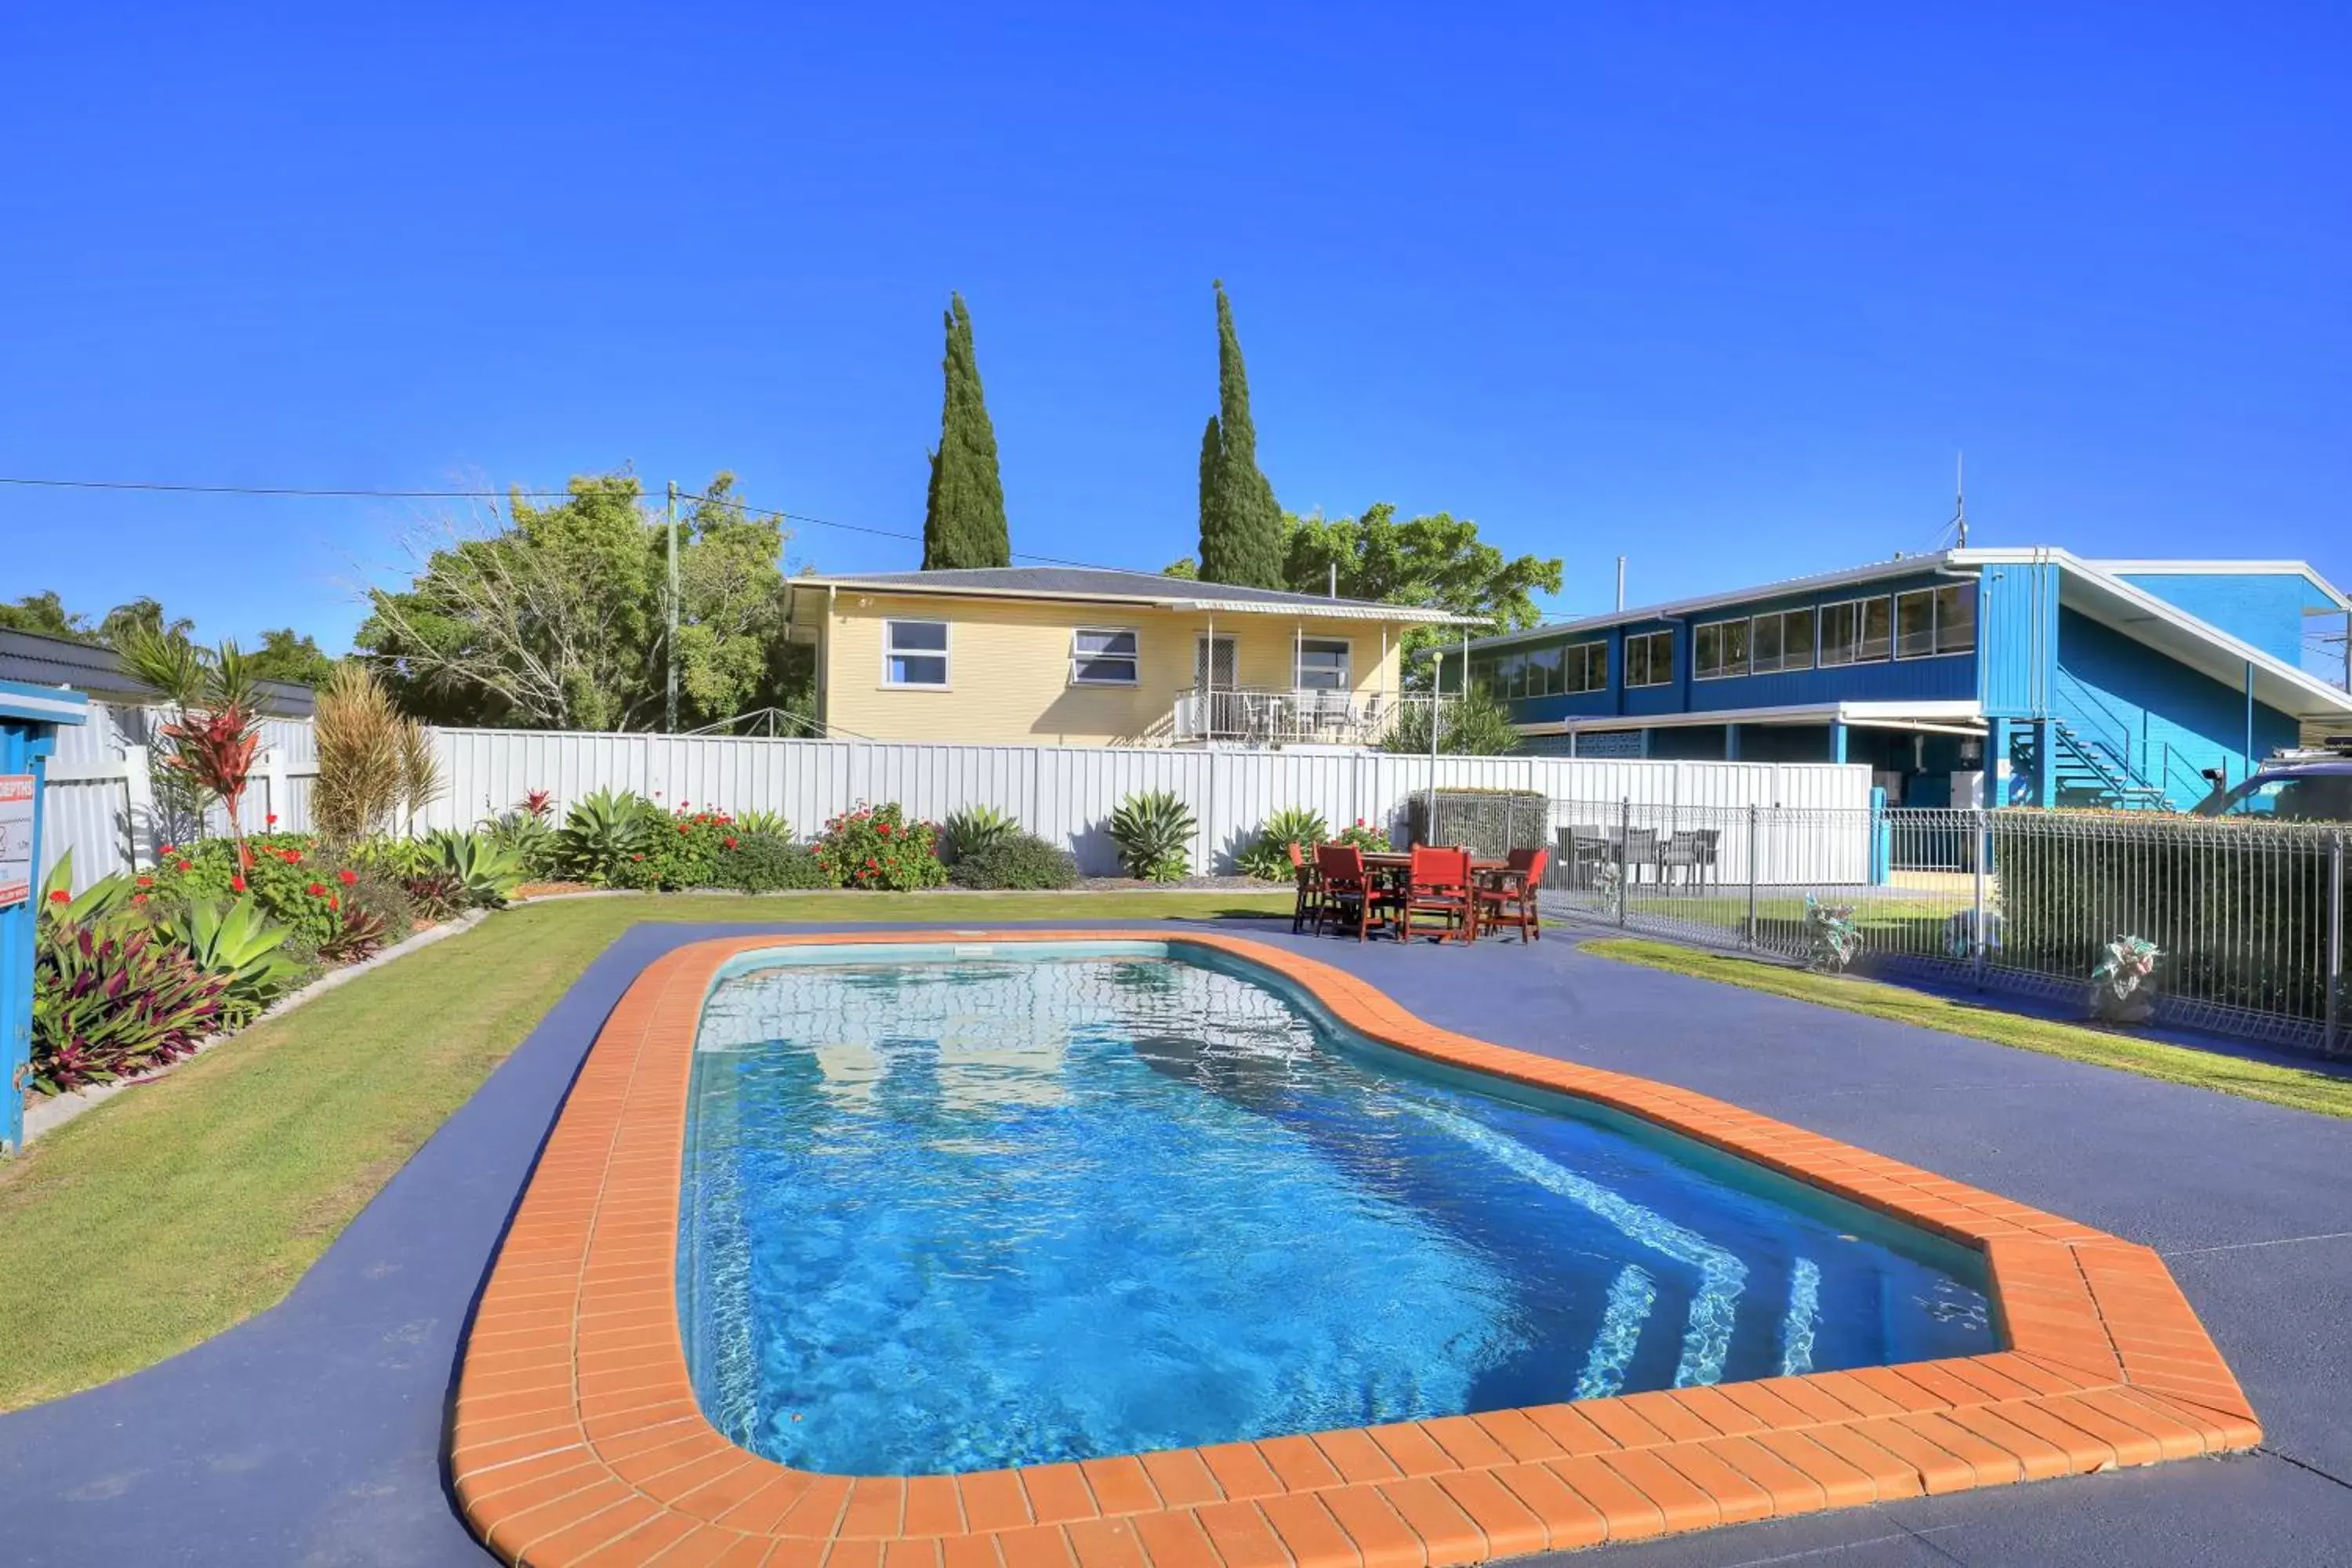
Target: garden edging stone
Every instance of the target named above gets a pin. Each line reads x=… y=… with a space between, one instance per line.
x=47 y=1115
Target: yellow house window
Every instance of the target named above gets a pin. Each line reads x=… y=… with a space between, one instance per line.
x=1323 y=663
x=914 y=653
x=1103 y=655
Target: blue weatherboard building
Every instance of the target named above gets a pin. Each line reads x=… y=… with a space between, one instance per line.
x=1999 y=677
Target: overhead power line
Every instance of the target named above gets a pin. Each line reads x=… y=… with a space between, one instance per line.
x=334 y=493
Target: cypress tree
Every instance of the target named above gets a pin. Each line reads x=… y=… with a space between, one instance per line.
x=1240 y=525
x=964 y=516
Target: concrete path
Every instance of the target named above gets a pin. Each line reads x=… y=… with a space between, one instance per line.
x=312 y=1433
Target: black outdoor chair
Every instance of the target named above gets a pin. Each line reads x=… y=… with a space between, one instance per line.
x=1581 y=848
x=1691 y=853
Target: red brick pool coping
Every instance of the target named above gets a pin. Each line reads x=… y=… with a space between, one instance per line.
x=577 y=1438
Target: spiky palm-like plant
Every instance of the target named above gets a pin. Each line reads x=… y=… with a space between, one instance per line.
x=358 y=731
x=213 y=733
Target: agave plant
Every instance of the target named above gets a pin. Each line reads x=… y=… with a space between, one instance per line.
x=528 y=833
x=770 y=823
x=484 y=870
x=972 y=830
x=1268 y=856
x=239 y=943
x=111 y=997
x=1832 y=938
x=1153 y=830
x=602 y=831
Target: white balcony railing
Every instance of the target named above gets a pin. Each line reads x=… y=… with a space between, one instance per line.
x=1262 y=716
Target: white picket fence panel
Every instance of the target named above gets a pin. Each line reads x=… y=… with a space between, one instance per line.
x=101 y=799
x=1066 y=793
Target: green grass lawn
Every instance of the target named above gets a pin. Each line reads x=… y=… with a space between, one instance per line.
x=2296 y=1088
x=186 y=1206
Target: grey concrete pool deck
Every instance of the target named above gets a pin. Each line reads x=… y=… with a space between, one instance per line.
x=312 y=1433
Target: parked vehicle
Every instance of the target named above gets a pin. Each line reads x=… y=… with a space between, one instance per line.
x=2292 y=786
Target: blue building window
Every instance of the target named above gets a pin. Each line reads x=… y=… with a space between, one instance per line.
x=1856 y=632
x=1650 y=659
x=1721 y=650
x=1933 y=621
x=1778 y=642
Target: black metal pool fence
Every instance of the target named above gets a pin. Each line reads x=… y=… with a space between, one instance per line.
x=2248 y=914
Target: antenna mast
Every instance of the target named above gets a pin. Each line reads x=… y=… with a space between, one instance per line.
x=1960 y=497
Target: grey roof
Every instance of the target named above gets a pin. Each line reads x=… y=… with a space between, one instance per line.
x=1101 y=583
x=39 y=660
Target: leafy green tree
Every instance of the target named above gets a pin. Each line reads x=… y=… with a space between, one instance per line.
x=1436 y=562
x=964 y=516
x=124 y=623
x=287 y=655
x=45 y=613
x=1240 y=525
x=558 y=620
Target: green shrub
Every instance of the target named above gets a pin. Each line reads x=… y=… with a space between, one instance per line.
x=1153 y=830
x=376 y=913
x=1017 y=860
x=1268 y=855
x=605 y=835
x=1370 y=840
x=289 y=881
x=1491 y=822
x=877 y=847
x=2071 y=882
x=1471 y=726
x=113 y=998
x=972 y=830
x=771 y=863
x=769 y=824
x=395 y=858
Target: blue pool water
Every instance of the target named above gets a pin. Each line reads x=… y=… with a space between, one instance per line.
x=1014 y=1207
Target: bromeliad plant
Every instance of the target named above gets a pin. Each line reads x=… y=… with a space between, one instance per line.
x=112 y=997
x=2123 y=986
x=1153 y=830
x=875 y=847
x=1268 y=858
x=1832 y=938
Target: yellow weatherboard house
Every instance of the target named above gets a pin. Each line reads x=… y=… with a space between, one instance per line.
x=1084 y=656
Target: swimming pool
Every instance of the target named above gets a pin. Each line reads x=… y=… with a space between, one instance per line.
x=950 y=1209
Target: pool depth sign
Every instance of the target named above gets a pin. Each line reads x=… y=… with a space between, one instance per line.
x=30 y=716
x=17 y=793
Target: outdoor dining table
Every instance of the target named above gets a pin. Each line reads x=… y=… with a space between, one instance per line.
x=1392 y=865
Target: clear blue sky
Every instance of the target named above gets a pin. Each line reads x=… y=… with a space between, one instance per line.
x=1721 y=288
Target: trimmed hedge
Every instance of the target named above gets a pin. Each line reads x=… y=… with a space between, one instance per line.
x=1017 y=860
x=1492 y=822
x=2237 y=908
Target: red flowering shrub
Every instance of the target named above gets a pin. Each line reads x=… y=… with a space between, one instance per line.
x=876 y=846
x=282 y=877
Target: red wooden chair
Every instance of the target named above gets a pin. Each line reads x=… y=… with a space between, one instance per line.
x=1438 y=883
x=1311 y=888
x=1509 y=897
x=1347 y=889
